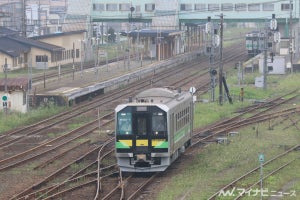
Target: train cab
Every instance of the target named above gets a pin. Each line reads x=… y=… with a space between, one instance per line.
x=140 y=132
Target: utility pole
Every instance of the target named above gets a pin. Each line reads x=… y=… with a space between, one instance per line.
x=221 y=62
x=5 y=86
x=291 y=34
x=39 y=17
x=24 y=23
x=265 y=59
x=73 y=57
x=212 y=42
x=5 y=72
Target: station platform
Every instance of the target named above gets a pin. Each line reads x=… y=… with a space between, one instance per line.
x=71 y=89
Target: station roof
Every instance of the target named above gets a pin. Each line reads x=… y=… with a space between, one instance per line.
x=195 y=24
x=15 y=45
x=57 y=34
x=11 y=47
x=13 y=84
x=36 y=43
x=6 y=31
x=152 y=33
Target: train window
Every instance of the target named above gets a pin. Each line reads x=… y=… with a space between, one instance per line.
x=124 y=124
x=159 y=124
x=142 y=126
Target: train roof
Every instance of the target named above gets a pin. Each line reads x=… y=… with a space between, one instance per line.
x=159 y=95
x=157 y=92
x=165 y=98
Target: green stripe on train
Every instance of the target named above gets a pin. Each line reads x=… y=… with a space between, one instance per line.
x=180 y=134
x=161 y=145
x=121 y=145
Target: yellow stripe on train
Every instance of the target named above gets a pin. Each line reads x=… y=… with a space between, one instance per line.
x=157 y=142
x=141 y=143
x=127 y=142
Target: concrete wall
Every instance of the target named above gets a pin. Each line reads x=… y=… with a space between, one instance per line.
x=278 y=66
x=15 y=101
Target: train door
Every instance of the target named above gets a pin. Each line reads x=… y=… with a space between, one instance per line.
x=141 y=130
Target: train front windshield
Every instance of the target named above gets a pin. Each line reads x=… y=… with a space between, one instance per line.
x=159 y=123
x=124 y=123
x=142 y=129
x=148 y=122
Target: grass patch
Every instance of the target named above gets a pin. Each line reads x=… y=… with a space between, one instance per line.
x=218 y=165
x=16 y=119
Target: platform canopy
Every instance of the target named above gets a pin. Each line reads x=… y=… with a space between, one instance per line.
x=152 y=33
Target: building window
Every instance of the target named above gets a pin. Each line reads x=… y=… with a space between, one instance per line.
x=43 y=58
x=186 y=7
x=213 y=7
x=200 y=7
x=268 y=7
x=227 y=7
x=138 y=8
x=254 y=7
x=149 y=7
x=240 y=7
x=98 y=7
x=57 y=9
x=112 y=7
x=286 y=7
x=124 y=7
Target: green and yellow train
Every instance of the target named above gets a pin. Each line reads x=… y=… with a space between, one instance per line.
x=153 y=129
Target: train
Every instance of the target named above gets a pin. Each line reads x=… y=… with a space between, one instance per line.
x=153 y=129
x=255 y=43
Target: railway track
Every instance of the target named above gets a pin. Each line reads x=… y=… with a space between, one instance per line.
x=255 y=114
x=246 y=183
x=119 y=185
x=7 y=163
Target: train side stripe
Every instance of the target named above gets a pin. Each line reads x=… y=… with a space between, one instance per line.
x=160 y=144
x=124 y=144
x=180 y=134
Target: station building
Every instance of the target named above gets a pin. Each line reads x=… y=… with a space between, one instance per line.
x=40 y=52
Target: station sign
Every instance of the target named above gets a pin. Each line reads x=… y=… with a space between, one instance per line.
x=4 y=98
